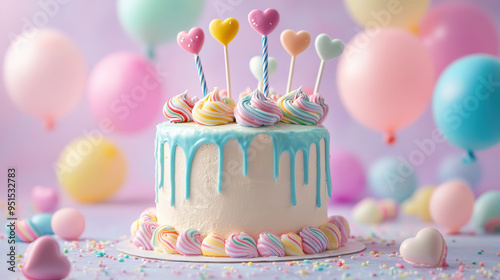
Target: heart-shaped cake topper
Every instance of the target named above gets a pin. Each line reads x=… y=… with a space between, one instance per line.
x=44 y=260
x=264 y=22
x=295 y=43
x=191 y=41
x=256 y=66
x=427 y=249
x=327 y=48
x=224 y=31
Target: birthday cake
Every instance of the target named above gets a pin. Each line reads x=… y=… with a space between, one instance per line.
x=241 y=179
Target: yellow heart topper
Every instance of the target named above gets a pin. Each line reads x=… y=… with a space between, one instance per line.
x=224 y=31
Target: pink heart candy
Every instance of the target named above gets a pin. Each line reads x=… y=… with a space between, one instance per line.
x=45 y=199
x=427 y=249
x=44 y=260
x=264 y=22
x=191 y=41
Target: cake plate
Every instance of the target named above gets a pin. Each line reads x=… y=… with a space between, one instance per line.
x=128 y=248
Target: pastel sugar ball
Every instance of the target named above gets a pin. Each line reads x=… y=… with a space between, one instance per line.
x=391 y=177
x=418 y=204
x=350 y=180
x=43 y=223
x=45 y=199
x=451 y=205
x=486 y=215
x=68 y=223
x=456 y=167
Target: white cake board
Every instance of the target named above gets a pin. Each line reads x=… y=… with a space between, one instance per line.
x=128 y=248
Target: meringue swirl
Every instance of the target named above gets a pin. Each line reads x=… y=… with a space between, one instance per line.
x=292 y=244
x=318 y=99
x=343 y=226
x=256 y=110
x=332 y=232
x=142 y=238
x=189 y=242
x=269 y=245
x=179 y=108
x=213 y=246
x=241 y=245
x=214 y=110
x=164 y=239
x=298 y=109
x=313 y=240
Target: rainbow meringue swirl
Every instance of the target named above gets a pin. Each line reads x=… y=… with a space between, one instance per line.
x=179 y=108
x=269 y=245
x=318 y=99
x=313 y=240
x=164 y=239
x=214 y=110
x=26 y=231
x=256 y=110
x=189 y=242
x=134 y=227
x=142 y=238
x=343 y=226
x=213 y=246
x=292 y=244
x=332 y=232
x=241 y=245
x=298 y=109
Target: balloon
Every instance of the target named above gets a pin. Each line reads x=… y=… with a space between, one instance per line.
x=455 y=29
x=125 y=92
x=486 y=215
x=349 y=177
x=91 y=169
x=451 y=205
x=391 y=177
x=156 y=21
x=387 y=13
x=44 y=74
x=418 y=204
x=455 y=167
x=466 y=102
x=385 y=84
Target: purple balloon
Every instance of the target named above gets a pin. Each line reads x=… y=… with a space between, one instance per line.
x=455 y=29
x=348 y=177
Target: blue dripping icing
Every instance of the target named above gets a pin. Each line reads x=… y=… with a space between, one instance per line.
x=192 y=136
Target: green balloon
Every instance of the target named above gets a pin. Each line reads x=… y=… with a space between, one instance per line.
x=157 y=21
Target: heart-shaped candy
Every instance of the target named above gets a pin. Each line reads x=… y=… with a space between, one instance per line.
x=264 y=22
x=256 y=66
x=295 y=43
x=191 y=41
x=427 y=249
x=327 y=48
x=44 y=260
x=45 y=199
x=224 y=31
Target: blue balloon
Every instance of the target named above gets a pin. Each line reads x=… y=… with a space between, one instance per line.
x=391 y=177
x=466 y=102
x=42 y=222
x=455 y=167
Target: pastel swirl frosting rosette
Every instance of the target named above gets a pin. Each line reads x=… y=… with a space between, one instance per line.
x=213 y=246
x=178 y=109
x=164 y=239
x=142 y=238
x=134 y=227
x=26 y=231
x=269 y=245
x=298 y=109
x=318 y=99
x=292 y=244
x=148 y=215
x=332 y=232
x=214 y=110
x=257 y=110
x=313 y=240
x=189 y=242
x=343 y=226
x=241 y=245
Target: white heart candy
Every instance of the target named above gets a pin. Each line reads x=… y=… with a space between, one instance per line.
x=256 y=67
x=427 y=249
x=327 y=48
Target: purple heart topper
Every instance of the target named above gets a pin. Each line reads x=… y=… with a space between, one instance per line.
x=191 y=41
x=264 y=22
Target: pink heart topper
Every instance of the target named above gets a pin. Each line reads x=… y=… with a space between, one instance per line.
x=264 y=22
x=44 y=260
x=191 y=41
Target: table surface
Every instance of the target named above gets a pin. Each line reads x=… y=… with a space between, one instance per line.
x=107 y=224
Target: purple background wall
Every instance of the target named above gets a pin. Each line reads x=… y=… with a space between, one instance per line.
x=94 y=26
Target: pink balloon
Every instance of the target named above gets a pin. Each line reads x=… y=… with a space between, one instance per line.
x=348 y=177
x=386 y=79
x=454 y=29
x=451 y=205
x=125 y=92
x=44 y=74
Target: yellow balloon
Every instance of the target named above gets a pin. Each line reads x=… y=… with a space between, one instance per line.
x=91 y=169
x=224 y=31
x=371 y=14
x=418 y=204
